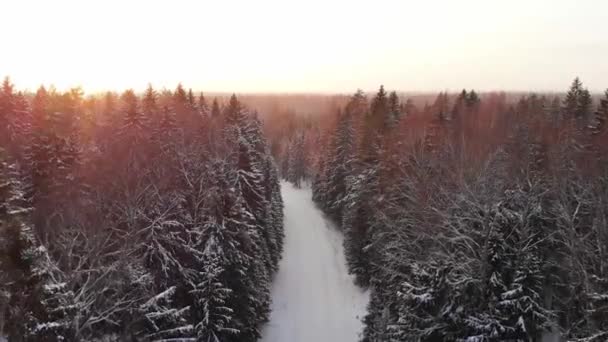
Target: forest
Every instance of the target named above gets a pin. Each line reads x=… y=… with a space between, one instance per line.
x=158 y=216
x=474 y=217
x=152 y=217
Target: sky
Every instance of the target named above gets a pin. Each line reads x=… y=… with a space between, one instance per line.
x=305 y=46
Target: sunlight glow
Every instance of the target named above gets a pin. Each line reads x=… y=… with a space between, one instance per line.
x=305 y=46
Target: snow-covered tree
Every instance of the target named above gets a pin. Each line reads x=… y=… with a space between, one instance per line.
x=394 y=110
x=39 y=304
x=331 y=187
x=357 y=223
x=203 y=106
x=215 y=109
x=162 y=321
x=296 y=161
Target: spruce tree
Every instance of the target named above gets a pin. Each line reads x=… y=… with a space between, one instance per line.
x=472 y=99
x=379 y=110
x=223 y=262
x=166 y=130
x=39 y=305
x=133 y=120
x=236 y=224
x=436 y=131
x=215 y=109
x=394 y=110
x=577 y=103
x=180 y=97
x=149 y=104
x=191 y=100
x=53 y=156
x=233 y=112
x=109 y=106
x=162 y=320
x=375 y=125
x=274 y=233
x=356 y=223
x=210 y=310
x=339 y=166
x=203 y=107
x=40 y=143
x=583 y=106
x=357 y=105
x=600 y=116
x=7 y=108
x=296 y=168
x=570 y=102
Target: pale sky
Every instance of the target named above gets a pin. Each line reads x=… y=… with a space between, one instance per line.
x=305 y=46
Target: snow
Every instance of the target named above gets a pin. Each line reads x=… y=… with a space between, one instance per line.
x=314 y=298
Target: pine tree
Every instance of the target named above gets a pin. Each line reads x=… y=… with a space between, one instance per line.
x=554 y=111
x=231 y=228
x=162 y=321
x=409 y=108
x=577 y=103
x=356 y=223
x=296 y=168
x=252 y=149
x=472 y=99
x=600 y=116
x=274 y=233
x=53 y=156
x=570 y=102
x=233 y=112
x=583 y=106
x=459 y=105
x=357 y=105
x=110 y=107
x=203 y=107
x=108 y=120
x=394 y=110
x=211 y=312
x=339 y=166
x=180 y=97
x=379 y=110
x=243 y=134
x=522 y=306
x=522 y=302
x=428 y=305
x=596 y=130
x=374 y=127
x=39 y=305
x=133 y=121
x=215 y=109
x=437 y=129
x=7 y=108
x=180 y=103
x=167 y=131
x=40 y=147
x=191 y=100
x=149 y=104
x=19 y=124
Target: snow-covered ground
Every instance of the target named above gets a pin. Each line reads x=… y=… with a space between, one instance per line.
x=314 y=298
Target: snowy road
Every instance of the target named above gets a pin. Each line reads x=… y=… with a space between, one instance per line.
x=314 y=298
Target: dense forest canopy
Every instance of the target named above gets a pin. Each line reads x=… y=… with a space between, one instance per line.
x=158 y=215
x=127 y=217
x=477 y=217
